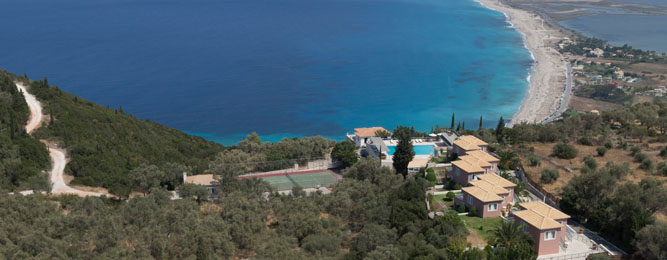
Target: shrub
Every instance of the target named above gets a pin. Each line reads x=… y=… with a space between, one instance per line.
x=590 y=162
x=601 y=151
x=534 y=161
x=549 y=176
x=646 y=165
x=663 y=151
x=430 y=176
x=585 y=141
x=450 y=196
x=473 y=211
x=640 y=157
x=461 y=209
x=457 y=186
x=634 y=150
x=608 y=145
x=565 y=151
x=662 y=169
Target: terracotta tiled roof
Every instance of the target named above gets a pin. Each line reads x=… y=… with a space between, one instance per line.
x=465 y=145
x=496 y=180
x=474 y=160
x=467 y=166
x=202 y=179
x=368 y=132
x=540 y=215
x=483 y=155
x=481 y=194
x=487 y=186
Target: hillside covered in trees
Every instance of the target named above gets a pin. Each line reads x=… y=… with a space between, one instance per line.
x=22 y=158
x=372 y=214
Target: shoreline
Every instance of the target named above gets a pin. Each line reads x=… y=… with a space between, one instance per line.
x=546 y=79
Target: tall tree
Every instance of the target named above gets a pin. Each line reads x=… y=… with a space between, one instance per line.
x=404 y=152
x=480 y=123
x=500 y=127
x=345 y=152
x=463 y=125
x=452 y=127
x=458 y=127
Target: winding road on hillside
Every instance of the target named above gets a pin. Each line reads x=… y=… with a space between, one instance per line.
x=58 y=158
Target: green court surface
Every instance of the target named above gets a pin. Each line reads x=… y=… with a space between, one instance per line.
x=286 y=182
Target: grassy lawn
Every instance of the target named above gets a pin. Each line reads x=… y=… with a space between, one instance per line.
x=442 y=202
x=487 y=224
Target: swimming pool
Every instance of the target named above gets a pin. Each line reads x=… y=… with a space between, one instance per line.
x=419 y=149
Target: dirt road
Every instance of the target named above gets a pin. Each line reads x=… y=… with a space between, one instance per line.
x=58 y=158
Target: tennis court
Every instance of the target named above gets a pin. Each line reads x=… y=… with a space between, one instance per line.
x=310 y=179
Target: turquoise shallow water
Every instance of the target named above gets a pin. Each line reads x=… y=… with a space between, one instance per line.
x=282 y=68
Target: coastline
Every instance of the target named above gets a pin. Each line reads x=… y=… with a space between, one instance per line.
x=547 y=76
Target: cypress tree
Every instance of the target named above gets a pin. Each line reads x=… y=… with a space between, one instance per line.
x=458 y=127
x=463 y=125
x=480 y=123
x=404 y=152
x=452 y=127
x=500 y=127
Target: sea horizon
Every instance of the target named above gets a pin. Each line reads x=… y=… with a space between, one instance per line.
x=225 y=69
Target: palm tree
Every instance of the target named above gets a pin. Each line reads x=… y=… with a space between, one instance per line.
x=509 y=234
x=507 y=158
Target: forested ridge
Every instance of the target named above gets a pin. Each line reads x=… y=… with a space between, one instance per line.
x=22 y=158
x=106 y=144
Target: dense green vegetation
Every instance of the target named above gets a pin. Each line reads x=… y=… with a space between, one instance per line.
x=372 y=214
x=22 y=158
x=603 y=203
x=106 y=144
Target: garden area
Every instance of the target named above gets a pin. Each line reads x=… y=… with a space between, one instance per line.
x=481 y=229
x=442 y=202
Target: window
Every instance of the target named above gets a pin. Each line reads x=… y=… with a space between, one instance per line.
x=550 y=235
x=493 y=207
x=473 y=177
x=469 y=199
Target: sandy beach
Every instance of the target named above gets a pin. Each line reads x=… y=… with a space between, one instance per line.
x=547 y=82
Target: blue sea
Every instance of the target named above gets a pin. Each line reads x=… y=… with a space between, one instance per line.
x=283 y=68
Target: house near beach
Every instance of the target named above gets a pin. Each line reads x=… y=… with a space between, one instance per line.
x=545 y=224
x=362 y=135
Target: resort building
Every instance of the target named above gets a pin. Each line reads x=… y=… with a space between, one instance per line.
x=463 y=172
x=362 y=135
x=473 y=160
x=484 y=159
x=490 y=195
x=468 y=143
x=545 y=224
